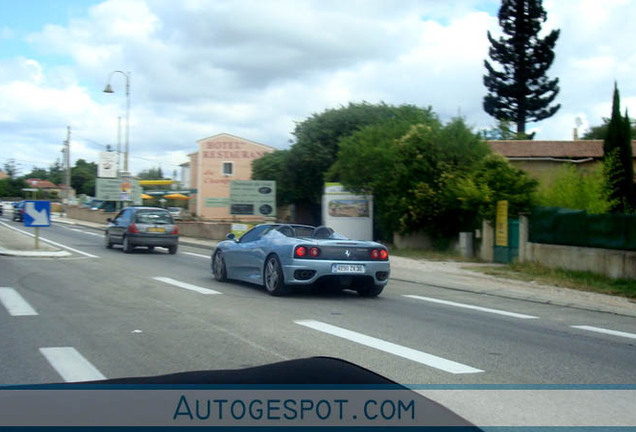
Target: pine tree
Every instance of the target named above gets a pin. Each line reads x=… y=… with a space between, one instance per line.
x=618 y=160
x=520 y=91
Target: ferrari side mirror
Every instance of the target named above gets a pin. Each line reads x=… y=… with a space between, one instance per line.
x=231 y=236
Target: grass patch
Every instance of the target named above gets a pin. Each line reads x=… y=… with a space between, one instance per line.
x=580 y=280
x=432 y=255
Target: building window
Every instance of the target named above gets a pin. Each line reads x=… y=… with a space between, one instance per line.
x=228 y=168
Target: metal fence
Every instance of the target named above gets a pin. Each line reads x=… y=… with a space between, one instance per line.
x=555 y=225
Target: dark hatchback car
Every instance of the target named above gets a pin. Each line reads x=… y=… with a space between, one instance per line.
x=18 y=211
x=142 y=226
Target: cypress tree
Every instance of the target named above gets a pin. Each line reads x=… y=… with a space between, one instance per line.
x=618 y=160
x=520 y=91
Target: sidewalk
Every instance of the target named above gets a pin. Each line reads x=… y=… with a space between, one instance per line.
x=448 y=275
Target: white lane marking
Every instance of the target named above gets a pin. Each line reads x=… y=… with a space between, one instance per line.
x=391 y=348
x=606 y=331
x=186 y=285
x=467 y=306
x=197 y=255
x=85 y=232
x=71 y=365
x=15 y=304
x=51 y=242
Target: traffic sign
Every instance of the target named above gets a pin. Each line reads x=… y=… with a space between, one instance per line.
x=37 y=213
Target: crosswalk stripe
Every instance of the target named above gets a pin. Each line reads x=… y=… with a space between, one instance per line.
x=15 y=304
x=71 y=365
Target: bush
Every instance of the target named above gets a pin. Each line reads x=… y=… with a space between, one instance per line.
x=575 y=189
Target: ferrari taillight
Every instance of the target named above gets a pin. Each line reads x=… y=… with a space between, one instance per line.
x=314 y=252
x=300 y=252
x=380 y=254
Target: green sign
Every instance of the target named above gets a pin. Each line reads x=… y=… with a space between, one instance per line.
x=111 y=189
x=253 y=198
x=217 y=202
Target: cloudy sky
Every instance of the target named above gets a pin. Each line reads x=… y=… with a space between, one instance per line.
x=254 y=68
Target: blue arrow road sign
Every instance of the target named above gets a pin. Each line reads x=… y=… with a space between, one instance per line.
x=37 y=213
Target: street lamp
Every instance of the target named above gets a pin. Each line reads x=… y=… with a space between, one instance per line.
x=109 y=89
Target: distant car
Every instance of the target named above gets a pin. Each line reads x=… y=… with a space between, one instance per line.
x=176 y=212
x=279 y=256
x=142 y=226
x=18 y=211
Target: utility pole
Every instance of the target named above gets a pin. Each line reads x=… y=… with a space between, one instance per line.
x=67 y=162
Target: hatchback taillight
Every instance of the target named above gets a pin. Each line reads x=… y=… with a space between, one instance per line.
x=133 y=229
x=175 y=230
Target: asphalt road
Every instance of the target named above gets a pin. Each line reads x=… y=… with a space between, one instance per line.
x=103 y=313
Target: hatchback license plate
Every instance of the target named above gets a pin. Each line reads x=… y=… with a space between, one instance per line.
x=347 y=268
x=157 y=230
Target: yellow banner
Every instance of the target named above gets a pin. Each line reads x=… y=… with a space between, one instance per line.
x=501 y=235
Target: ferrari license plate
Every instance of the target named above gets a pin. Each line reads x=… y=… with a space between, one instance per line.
x=347 y=268
x=156 y=230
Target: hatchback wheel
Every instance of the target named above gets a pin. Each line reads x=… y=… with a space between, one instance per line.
x=273 y=277
x=172 y=249
x=107 y=242
x=128 y=248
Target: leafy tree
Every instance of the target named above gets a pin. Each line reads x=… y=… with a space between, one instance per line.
x=151 y=174
x=83 y=176
x=318 y=141
x=40 y=173
x=600 y=131
x=11 y=168
x=519 y=90
x=575 y=189
x=495 y=179
x=409 y=168
x=273 y=166
x=618 y=160
x=12 y=187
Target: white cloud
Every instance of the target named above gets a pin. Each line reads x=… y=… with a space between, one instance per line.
x=254 y=68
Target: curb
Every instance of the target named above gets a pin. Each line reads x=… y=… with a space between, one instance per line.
x=34 y=254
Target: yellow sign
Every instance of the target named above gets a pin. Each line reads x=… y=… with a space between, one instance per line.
x=501 y=235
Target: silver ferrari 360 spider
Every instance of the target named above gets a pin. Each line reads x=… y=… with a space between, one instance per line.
x=279 y=256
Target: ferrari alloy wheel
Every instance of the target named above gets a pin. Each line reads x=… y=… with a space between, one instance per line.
x=218 y=266
x=273 y=277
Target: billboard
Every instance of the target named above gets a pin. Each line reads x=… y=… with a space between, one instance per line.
x=118 y=189
x=107 y=167
x=347 y=213
x=253 y=198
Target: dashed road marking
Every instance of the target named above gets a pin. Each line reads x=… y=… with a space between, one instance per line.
x=186 y=285
x=467 y=306
x=196 y=255
x=85 y=232
x=606 y=331
x=15 y=304
x=71 y=365
x=391 y=348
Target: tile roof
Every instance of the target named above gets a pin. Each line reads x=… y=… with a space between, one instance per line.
x=555 y=149
x=41 y=184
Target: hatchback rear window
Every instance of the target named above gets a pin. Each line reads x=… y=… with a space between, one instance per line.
x=153 y=217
